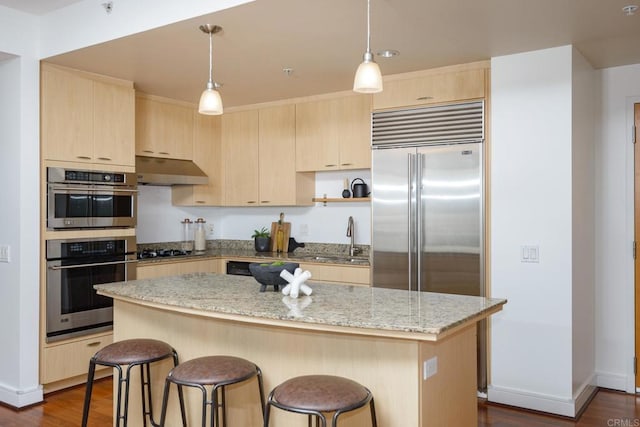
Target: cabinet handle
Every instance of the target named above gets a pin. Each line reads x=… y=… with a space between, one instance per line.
x=83 y=157
x=94 y=344
x=104 y=158
x=251 y=201
x=265 y=201
x=346 y=164
x=201 y=201
x=163 y=152
x=147 y=151
x=330 y=166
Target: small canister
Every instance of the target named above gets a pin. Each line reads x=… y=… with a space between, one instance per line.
x=187 y=235
x=200 y=235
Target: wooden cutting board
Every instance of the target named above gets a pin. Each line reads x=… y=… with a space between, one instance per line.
x=285 y=227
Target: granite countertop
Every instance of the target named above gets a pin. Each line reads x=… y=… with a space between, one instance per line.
x=366 y=311
x=249 y=253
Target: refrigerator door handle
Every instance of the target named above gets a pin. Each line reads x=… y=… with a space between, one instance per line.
x=418 y=174
x=410 y=216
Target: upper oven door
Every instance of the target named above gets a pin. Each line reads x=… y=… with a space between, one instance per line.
x=90 y=206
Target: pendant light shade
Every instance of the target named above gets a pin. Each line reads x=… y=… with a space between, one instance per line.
x=210 y=100
x=368 y=78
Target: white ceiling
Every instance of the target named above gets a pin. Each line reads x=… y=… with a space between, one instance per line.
x=37 y=7
x=323 y=41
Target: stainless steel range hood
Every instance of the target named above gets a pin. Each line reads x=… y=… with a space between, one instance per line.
x=156 y=171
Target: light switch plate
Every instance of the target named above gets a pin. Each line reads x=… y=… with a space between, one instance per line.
x=530 y=254
x=5 y=253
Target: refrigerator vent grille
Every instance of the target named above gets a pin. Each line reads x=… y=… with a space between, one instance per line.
x=448 y=124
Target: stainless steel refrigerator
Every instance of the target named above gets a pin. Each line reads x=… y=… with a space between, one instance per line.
x=427 y=203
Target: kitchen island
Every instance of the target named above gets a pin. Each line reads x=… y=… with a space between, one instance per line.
x=415 y=351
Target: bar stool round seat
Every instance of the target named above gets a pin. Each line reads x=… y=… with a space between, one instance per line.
x=214 y=372
x=317 y=394
x=133 y=352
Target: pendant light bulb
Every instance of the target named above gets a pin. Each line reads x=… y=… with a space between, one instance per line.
x=368 y=78
x=210 y=100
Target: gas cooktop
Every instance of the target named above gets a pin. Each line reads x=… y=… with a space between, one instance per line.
x=156 y=253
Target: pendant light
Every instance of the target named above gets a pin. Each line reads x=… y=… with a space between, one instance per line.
x=368 y=78
x=210 y=100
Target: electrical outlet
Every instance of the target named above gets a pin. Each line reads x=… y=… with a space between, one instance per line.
x=5 y=253
x=430 y=368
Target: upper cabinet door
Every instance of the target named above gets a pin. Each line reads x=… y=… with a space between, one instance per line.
x=67 y=116
x=86 y=119
x=163 y=128
x=432 y=88
x=240 y=153
x=277 y=155
x=353 y=119
x=317 y=148
x=334 y=134
x=114 y=124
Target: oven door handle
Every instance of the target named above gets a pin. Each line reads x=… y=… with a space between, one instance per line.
x=94 y=189
x=95 y=264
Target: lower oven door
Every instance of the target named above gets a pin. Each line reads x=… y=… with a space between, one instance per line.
x=73 y=307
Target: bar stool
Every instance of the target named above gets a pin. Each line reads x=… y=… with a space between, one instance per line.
x=133 y=352
x=215 y=372
x=315 y=394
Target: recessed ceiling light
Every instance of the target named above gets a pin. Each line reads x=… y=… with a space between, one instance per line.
x=388 y=53
x=287 y=71
x=630 y=9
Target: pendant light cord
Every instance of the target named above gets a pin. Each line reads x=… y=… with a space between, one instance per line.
x=210 y=83
x=368 y=25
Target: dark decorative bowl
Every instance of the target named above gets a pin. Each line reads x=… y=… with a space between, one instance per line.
x=269 y=275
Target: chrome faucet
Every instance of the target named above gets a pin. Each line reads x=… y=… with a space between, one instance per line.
x=351 y=233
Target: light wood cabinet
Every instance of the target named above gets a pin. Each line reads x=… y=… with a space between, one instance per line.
x=70 y=359
x=161 y=269
x=334 y=134
x=334 y=273
x=164 y=128
x=86 y=120
x=207 y=154
x=240 y=154
x=436 y=87
x=279 y=183
x=259 y=159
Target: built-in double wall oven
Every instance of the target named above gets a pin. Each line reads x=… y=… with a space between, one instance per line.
x=87 y=200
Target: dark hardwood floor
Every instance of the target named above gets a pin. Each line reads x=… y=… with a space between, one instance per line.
x=64 y=409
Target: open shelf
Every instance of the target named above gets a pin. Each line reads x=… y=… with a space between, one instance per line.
x=326 y=200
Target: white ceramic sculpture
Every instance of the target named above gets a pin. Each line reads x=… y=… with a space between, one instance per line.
x=296 y=282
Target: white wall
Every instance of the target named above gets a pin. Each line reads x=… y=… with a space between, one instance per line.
x=19 y=225
x=531 y=204
x=158 y=221
x=584 y=107
x=614 y=229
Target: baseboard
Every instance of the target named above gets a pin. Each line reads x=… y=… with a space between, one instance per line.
x=20 y=398
x=540 y=402
x=611 y=381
